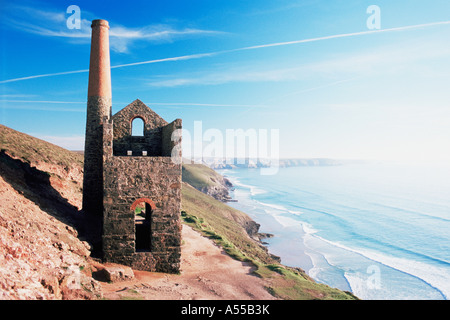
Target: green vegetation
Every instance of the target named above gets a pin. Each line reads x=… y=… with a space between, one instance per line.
x=34 y=150
x=214 y=219
x=135 y=295
x=200 y=176
x=140 y=210
x=211 y=216
x=200 y=225
x=218 y=222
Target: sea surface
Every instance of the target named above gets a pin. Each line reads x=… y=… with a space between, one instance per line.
x=380 y=231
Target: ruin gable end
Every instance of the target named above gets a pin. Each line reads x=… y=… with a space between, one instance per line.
x=140 y=177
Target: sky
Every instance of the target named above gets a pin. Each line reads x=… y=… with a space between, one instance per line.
x=334 y=78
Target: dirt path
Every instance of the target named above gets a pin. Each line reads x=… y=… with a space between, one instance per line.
x=206 y=273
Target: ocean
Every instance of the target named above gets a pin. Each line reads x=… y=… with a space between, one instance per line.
x=381 y=231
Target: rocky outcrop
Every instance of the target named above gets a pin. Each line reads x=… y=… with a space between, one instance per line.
x=40 y=256
x=206 y=180
x=219 y=190
x=111 y=272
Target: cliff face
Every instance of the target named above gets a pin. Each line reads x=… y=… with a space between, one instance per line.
x=41 y=255
x=45 y=243
x=207 y=181
x=213 y=184
x=282 y=163
x=46 y=248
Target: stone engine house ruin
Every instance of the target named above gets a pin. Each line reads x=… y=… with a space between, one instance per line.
x=131 y=180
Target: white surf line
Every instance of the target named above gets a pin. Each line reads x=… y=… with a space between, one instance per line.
x=277 y=44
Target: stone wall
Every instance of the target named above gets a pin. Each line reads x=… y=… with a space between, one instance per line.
x=171 y=139
x=98 y=108
x=128 y=179
x=151 y=142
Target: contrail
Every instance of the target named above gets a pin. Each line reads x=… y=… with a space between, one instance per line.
x=174 y=104
x=44 y=75
x=344 y=35
x=314 y=88
x=277 y=44
x=180 y=58
x=41 y=101
x=186 y=57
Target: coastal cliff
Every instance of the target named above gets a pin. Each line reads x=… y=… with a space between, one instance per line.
x=281 y=163
x=206 y=180
x=46 y=249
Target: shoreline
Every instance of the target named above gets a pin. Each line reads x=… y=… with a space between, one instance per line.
x=272 y=241
x=348 y=266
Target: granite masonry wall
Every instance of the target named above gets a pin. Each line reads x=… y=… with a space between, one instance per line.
x=151 y=141
x=154 y=179
x=97 y=109
x=131 y=186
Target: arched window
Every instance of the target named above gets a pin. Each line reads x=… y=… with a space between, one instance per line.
x=143 y=209
x=137 y=127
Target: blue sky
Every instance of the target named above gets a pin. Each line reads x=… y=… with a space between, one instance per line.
x=311 y=69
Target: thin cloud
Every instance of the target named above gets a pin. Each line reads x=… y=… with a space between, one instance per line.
x=41 y=101
x=236 y=75
x=51 y=23
x=121 y=37
x=169 y=104
x=210 y=54
x=44 y=75
x=179 y=58
x=326 y=85
x=193 y=104
x=158 y=32
x=346 y=35
x=392 y=59
x=40 y=108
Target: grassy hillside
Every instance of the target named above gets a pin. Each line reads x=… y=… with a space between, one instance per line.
x=34 y=150
x=200 y=176
x=214 y=219
x=206 y=180
x=222 y=224
x=217 y=220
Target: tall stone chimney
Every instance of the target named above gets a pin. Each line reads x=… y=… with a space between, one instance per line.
x=98 y=109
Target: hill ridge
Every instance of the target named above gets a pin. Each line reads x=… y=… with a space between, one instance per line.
x=45 y=239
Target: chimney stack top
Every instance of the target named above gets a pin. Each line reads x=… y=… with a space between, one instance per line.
x=99 y=22
x=99 y=67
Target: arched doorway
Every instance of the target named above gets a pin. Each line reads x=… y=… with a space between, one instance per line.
x=143 y=210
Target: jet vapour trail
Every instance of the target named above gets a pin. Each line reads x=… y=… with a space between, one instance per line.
x=186 y=57
x=170 y=104
x=44 y=75
x=210 y=54
x=344 y=35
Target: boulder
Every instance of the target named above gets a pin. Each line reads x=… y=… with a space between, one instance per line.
x=113 y=273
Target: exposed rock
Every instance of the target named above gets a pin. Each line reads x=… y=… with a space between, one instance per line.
x=41 y=257
x=113 y=273
x=206 y=180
